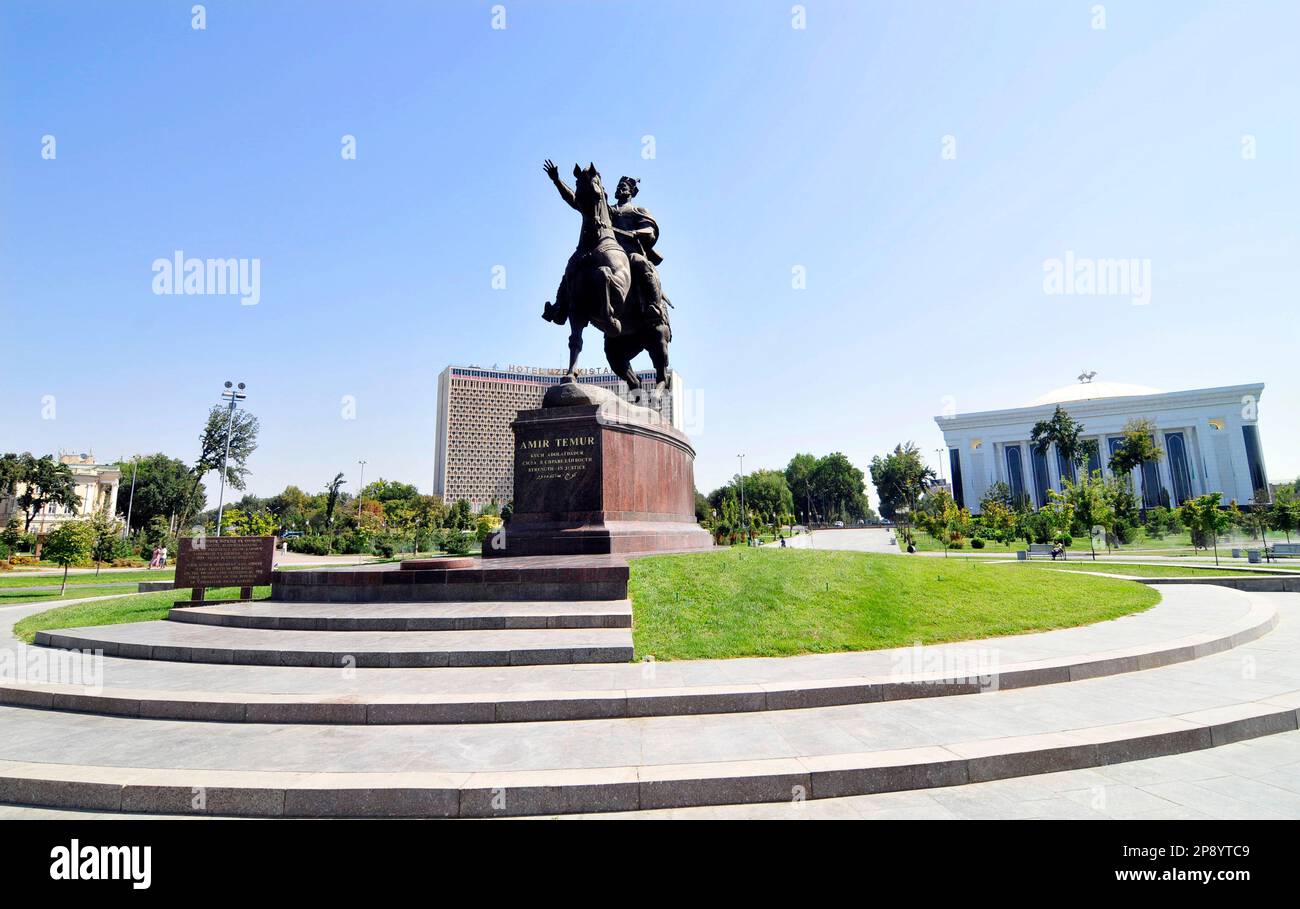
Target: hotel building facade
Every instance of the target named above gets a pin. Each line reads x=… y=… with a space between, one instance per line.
x=474 y=458
x=1210 y=438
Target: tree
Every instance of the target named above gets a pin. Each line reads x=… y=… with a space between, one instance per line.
x=44 y=481
x=1092 y=501
x=1284 y=513
x=999 y=493
x=106 y=530
x=942 y=519
x=163 y=487
x=767 y=495
x=702 y=510
x=840 y=487
x=239 y=523
x=461 y=516
x=1137 y=447
x=998 y=521
x=332 y=497
x=900 y=479
x=11 y=474
x=1202 y=515
x=69 y=543
x=243 y=429
x=798 y=477
x=1058 y=517
x=11 y=536
x=1064 y=432
x=290 y=507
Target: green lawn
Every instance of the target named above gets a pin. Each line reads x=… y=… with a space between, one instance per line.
x=17 y=598
x=140 y=607
x=75 y=579
x=774 y=602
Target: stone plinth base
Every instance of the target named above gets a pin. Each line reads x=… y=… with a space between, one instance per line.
x=593 y=475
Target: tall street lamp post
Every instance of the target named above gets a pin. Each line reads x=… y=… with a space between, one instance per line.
x=130 y=503
x=234 y=394
x=744 y=516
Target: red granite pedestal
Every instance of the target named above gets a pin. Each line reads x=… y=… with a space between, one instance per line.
x=595 y=475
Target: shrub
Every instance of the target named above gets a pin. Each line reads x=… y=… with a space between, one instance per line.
x=313 y=544
x=976 y=543
x=457 y=542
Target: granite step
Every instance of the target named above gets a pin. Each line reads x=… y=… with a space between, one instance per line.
x=593 y=577
x=289 y=774
x=183 y=642
x=1163 y=636
x=452 y=616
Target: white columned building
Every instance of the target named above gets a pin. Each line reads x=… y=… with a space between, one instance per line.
x=1210 y=437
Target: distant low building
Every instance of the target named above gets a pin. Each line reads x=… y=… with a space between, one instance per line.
x=1210 y=437
x=96 y=489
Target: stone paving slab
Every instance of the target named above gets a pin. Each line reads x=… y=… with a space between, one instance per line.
x=182 y=642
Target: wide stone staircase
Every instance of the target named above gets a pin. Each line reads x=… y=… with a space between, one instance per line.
x=470 y=689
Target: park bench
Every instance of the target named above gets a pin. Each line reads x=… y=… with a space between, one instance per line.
x=1285 y=550
x=1044 y=549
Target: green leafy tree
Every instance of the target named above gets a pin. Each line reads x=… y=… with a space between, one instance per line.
x=44 y=482
x=243 y=430
x=798 y=477
x=999 y=493
x=767 y=495
x=106 y=531
x=900 y=478
x=239 y=523
x=461 y=516
x=1064 y=432
x=11 y=536
x=163 y=487
x=332 y=490
x=1136 y=448
x=68 y=544
x=1203 y=516
x=998 y=521
x=1283 y=514
x=1092 y=500
x=940 y=517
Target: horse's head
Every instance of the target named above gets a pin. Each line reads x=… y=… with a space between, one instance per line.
x=589 y=191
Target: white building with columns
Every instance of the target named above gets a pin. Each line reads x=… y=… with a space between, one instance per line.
x=1210 y=437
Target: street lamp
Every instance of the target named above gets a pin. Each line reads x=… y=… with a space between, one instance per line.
x=939 y=452
x=360 y=486
x=234 y=394
x=126 y=531
x=744 y=518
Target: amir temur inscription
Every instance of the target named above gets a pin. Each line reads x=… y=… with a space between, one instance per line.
x=559 y=458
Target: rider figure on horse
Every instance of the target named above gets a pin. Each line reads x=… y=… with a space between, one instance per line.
x=637 y=232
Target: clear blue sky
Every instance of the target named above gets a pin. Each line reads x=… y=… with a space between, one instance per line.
x=775 y=147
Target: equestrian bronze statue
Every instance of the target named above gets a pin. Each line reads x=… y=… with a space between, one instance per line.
x=611 y=281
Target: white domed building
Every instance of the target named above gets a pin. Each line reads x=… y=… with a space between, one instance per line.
x=1210 y=437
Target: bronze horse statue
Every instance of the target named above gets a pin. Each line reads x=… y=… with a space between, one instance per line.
x=601 y=288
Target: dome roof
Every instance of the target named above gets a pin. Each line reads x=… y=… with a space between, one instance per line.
x=1086 y=391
